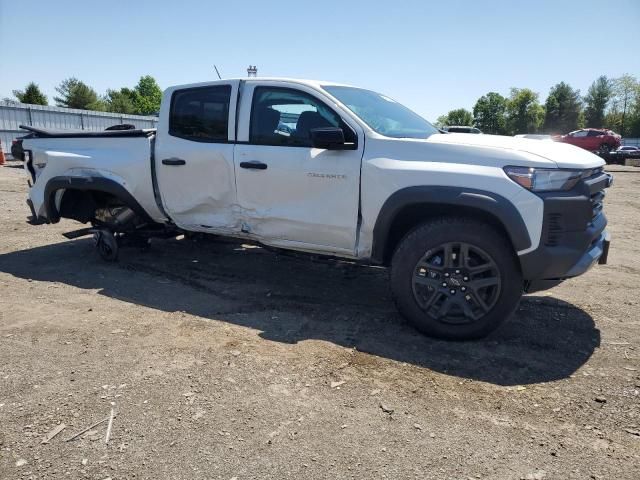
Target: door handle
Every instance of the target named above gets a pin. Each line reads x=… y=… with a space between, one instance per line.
x=256 y=165
x=173 y=161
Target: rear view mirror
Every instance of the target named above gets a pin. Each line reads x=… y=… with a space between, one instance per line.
x=330 y=138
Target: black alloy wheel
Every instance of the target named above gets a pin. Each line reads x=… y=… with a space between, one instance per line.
x=456 y=283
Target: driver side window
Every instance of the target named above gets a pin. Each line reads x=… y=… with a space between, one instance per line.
x=285 y=117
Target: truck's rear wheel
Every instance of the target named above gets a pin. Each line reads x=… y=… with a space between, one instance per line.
x=455 y=278
x=107 y=245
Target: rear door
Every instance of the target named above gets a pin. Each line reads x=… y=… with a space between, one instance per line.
x=580 y=139
x=594 y=140
x=194 y=156
x=291 y=194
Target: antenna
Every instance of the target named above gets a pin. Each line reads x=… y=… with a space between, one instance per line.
x=217 y=72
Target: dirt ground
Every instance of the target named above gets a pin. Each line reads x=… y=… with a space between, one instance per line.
x=223 y=361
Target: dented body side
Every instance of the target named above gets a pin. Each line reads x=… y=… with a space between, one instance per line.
x=308 y=198
x=199 y=194
x=125 y=161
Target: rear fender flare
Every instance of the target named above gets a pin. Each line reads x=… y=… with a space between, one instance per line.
x=98 y=184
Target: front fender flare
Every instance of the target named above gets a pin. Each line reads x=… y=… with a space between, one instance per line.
x=490 y=203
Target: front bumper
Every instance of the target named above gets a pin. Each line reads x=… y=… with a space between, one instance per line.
x=574 y=236
x=598 y=253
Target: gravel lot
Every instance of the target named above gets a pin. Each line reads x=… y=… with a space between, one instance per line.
x=224 y=361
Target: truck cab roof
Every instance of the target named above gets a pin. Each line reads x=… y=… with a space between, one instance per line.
x=300 y=81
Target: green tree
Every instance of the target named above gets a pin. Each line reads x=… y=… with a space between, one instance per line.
x=459 y=116
x=624 y=104
x=581 y=119
x=143 y=99
x=120 y=101
x=596 y=101
x=524 y=112
x=562 y=109
x=633 y=129
x=489 y=113
x=31 y=94
x=442 y=121
x=76 y=94
x=147 y=96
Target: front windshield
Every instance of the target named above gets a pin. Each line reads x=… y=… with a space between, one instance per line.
x=382 y=114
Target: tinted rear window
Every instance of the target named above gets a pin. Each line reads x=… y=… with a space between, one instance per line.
x=200 y=114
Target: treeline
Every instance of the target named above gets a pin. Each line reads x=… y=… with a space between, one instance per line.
x=143 y=99
x=608 y=103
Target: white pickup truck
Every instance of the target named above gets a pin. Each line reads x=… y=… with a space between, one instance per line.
x=465 y=223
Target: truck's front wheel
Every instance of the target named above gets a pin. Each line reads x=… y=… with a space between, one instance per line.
x=455 y=278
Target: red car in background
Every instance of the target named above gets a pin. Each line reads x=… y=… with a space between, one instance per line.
x=592 y=139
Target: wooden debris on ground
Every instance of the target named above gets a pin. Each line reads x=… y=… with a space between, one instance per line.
x=49 y=436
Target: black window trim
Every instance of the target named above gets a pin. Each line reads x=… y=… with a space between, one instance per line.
x=205 y=87
x=295 y=90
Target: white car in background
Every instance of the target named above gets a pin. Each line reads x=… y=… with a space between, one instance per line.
x=461 y=129
x=630 y=150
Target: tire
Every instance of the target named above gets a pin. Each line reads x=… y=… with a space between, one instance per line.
x=605 y=148
x=106 y=245
x=483 y=293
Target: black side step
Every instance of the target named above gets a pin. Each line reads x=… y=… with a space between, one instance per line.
x=79 y=233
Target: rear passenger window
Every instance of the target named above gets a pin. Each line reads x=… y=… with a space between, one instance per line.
x=200 y=114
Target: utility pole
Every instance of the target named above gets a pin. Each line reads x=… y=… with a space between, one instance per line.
x=252 y=71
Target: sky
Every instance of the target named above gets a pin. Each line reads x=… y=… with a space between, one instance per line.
x=432 y=56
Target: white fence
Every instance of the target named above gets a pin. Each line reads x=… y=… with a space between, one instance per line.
x=12 y=115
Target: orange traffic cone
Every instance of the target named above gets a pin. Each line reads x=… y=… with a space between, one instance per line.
x=1 y=154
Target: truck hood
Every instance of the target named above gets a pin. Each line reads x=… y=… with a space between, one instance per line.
x=562 y=154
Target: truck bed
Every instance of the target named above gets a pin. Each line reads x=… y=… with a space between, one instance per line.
x=52 y=133
x=121 y=157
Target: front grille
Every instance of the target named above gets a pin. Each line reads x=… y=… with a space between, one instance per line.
x=597 y=203
x=568 y=216
x=596 y=180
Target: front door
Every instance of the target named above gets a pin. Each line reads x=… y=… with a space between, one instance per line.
x=194 y=157
x=291 y=194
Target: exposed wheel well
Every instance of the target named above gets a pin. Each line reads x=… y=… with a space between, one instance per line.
x=92 y=198
x=81 y=205
x=413 y=215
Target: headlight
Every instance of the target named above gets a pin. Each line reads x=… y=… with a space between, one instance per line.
x=544 y=179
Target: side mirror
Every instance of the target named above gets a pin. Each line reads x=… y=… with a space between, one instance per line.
x=330 y=138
